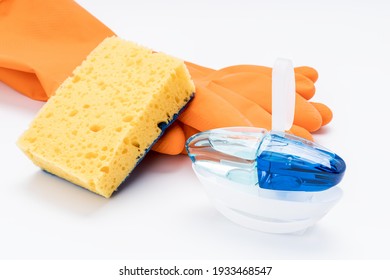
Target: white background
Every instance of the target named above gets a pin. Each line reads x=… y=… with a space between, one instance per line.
x=162 y=212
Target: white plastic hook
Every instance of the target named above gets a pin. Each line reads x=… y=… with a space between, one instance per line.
x=283 y=95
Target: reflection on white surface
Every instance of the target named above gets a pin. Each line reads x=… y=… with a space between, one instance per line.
x=58 y=193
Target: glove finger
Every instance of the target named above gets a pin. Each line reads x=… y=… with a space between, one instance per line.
x=257 y=115
x=188 y=132
x=325 y=111
x=308 y=72
x=306 y=115
x=172 y=141
x=301 y=132
x=208 y=110
x=259 y=90
x=304 y=85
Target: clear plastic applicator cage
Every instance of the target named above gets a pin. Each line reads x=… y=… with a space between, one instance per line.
x=269 y=181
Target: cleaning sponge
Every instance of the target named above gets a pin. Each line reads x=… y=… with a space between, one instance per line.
x=105 y=117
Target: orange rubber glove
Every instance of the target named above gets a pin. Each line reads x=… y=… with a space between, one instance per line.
x=43 y=41
x=222 y=99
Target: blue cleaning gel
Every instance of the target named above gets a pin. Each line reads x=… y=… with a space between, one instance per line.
x=270 y=160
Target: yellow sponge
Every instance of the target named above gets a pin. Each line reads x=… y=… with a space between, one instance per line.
x=106 y=116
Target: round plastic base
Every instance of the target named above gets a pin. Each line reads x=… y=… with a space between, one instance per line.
x=268 y=210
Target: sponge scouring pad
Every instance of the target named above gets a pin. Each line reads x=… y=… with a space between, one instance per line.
x=105 y=117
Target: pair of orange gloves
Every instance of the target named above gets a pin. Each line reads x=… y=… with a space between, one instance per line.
x=43 y=41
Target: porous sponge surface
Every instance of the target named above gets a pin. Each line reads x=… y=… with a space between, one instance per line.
x=103 y=118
